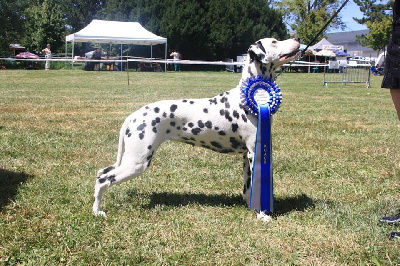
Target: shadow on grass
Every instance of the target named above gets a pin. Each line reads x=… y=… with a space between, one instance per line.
x=183 y=199
x=297 y=203
x=10 y=181
x=282 y=205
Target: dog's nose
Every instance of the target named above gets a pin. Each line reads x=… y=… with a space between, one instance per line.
x=297 y=39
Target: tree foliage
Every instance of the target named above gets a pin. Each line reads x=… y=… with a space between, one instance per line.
x=378 y=19
x=10 y=21
x=44 y=24
x=307 y=17
x=208 y=29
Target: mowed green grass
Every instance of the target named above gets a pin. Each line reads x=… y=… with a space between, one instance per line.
x=336 y=172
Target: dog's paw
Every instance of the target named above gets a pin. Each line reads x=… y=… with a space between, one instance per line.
x=263 y=216
x=99 y=213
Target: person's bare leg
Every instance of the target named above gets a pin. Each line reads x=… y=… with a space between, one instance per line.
x=396 y=100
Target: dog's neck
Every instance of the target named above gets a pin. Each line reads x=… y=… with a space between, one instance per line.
x=253 y=68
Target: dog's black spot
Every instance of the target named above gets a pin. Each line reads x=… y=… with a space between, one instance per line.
x=200 y=124
x=202 y=142
x=184 y=129
x=216 y=128
x=155 y=121
x=144 y=114
x=157 y=110
x=235 y=114
x=134 y=120
x=172 y=123
x=149 y=147
x=222 y=112
x=141 y=126
x=205 y=110
x=226 y=151
x=244 y=118
x=178 y=128
x=259 y=45
x=235 y=127
x=191 y=102
x=111 y=178
x=154 y=129
x=102 y=180
x=224 y=99
x=164 y=114
x=227 y=105
x=216 y=144
x=208 y=124
x=235 y=143
x=228 y=116
x=141 y=135
x=190 y=125
x=213 y=101
x=147 y=107
x=196 y=131
x=248 y=182
x=222 y=133
x=171 y=115
x=185 y=101
x=173 y=107
x=168 y=131
x=149 y=158
x=108 y=169
x=127 y=131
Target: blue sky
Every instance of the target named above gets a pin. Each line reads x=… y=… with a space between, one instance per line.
x=348 y=12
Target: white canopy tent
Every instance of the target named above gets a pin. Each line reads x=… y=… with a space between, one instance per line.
x=116 y=32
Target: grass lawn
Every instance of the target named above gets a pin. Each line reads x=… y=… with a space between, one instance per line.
x=336 y=172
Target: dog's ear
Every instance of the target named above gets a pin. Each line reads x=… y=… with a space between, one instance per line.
x=257 y=52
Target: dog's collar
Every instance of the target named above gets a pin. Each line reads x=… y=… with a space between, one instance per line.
x=260 y=90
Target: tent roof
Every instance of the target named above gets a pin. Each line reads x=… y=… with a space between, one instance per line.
x=117 y=32
x=320 y=45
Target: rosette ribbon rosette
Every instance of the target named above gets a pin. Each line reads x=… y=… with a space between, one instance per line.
x=263 y=97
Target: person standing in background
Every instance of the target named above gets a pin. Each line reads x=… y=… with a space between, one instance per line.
x=177 y=56
x=47 y=54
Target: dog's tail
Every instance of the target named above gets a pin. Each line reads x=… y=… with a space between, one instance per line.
x=121 y=144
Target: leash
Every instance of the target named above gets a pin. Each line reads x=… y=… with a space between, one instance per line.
x=319 y=33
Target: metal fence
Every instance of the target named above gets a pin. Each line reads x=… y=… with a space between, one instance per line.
x=347 y=72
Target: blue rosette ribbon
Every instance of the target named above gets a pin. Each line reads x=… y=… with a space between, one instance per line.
x=263 y=97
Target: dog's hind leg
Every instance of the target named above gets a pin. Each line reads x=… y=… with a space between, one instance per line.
x=128 y=169
x=120 y=152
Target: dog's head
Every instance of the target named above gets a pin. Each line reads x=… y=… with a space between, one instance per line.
x=267 y=54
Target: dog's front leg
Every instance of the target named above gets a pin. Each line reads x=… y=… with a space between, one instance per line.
x=247 y=174
x=247 y=167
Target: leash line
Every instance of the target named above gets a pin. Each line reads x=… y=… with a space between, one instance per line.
x=319 y=33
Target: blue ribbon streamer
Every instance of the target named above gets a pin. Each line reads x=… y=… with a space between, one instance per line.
x=262 y=192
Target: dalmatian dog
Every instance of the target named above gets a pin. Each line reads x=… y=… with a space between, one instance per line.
x=222 y=123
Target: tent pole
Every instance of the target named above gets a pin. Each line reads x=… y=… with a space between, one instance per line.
x=165 y=56
x=66 y=50
x=73 y=48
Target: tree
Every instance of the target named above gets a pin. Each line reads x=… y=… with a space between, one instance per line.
x=11 y=14
x=378 y=19
x=79 y=13
x=219 y=29
x=379 y=33
x=44 y=24
x=307 y=17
